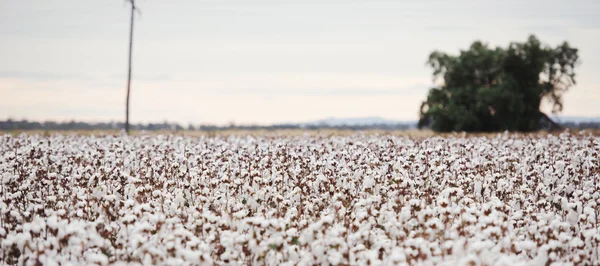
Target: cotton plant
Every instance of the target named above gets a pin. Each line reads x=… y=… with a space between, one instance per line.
x=300 y=200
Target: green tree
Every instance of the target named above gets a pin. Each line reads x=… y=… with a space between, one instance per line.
x=487 y=89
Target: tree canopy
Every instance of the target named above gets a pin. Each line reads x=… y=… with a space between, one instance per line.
x=495 y=89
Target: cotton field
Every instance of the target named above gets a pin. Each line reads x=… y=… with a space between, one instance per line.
x=363 y=199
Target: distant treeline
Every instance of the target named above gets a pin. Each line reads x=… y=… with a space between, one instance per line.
x=10 y=124
x=582 y=125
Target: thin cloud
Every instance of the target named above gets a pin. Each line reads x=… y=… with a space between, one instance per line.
x=448 y=28
x=418 y=88
x=50 y=76
x=39 y=76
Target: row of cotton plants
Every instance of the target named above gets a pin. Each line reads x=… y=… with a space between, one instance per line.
x=300 y=200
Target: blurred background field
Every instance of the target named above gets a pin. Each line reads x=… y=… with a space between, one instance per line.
x=413 y=133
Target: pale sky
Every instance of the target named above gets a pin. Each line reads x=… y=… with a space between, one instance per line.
x=263 y=61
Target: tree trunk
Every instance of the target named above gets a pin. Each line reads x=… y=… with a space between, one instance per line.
x=129 y=73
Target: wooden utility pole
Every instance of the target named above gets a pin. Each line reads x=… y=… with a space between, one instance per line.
x=133 y=9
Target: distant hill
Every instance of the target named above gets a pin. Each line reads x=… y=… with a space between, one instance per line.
x=360 y=121
x=575 y=119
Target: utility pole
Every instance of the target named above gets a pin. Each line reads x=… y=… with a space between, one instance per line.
x=133 y=9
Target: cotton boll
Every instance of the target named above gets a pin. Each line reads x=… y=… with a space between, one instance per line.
x=369 y=182
x=477 y=187
x=96 y=259
x=334 y=257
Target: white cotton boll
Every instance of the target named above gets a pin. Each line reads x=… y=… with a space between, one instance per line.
x=156 y=193
x=238 y=181
x=369 y=182
x=572 y=216
x=128 y=219
x=6 y=177
x=361 y=214
x=504 y=261
x=334 y=257
x=542 y=257
x=240 y=214
x=469 y=260
x=96 y=259
x=590 y=212
x=526 y=245
x=564 y=203
x=173 y=208
x=397 y=256
x=179 y=197
x=16 y=215
x=501 y=185
x=415 y=202
x=477 y=186
x=37 y=224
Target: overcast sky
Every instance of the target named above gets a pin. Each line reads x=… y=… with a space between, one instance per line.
x=263 y=61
